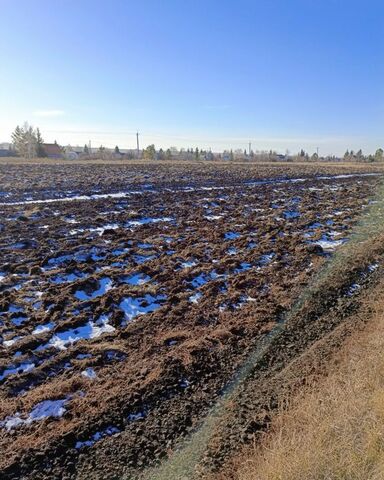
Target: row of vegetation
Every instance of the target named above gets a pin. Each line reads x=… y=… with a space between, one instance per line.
x=28 y=143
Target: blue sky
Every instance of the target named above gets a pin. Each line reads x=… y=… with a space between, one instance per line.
x=283 y=74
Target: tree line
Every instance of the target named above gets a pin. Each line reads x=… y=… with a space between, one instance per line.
x=28 y=142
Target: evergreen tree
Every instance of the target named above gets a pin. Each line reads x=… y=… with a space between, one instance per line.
x=86 y=149
x=18 y=141
x=40 y=144
x=117 y=150
x=25 y=141
x=379 y=154
x=150 y=152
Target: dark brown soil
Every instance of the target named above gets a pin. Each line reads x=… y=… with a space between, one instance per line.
x=220 y=254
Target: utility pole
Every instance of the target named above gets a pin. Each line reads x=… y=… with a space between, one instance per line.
x=137 y=144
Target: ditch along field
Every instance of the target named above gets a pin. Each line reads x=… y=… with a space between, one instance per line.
x=131 y=294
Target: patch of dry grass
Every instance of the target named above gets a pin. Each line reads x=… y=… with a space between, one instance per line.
x=334 y=430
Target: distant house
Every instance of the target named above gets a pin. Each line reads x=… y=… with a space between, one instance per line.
x=6 y=150
x=52 y=150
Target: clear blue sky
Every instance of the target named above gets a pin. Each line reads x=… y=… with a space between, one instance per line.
x=280 y=73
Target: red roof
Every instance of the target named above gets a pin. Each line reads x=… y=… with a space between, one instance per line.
x=52 y=149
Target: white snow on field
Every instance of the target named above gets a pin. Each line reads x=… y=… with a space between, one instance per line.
x=373 y=267
x=8 y=343
x=184 y=189
x=137 y=279
x=63 y=340
x=105 y=284
x=231 y=235
x=67 y=277
x=329 y=245
x=147 y=220
x=23 y=367
x=44 y=409
x=99 y=230
x=195 y=297
x=107 y=432
x=132 y=307
x=43 y=328
x=89 y=373
x=188 y=264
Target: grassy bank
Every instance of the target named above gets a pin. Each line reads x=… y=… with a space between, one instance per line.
x=334 y=429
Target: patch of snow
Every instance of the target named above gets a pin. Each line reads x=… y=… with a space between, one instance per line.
x=243 y=266
x=132 y=307
x=44 y=409
x=195 y=297
x=63 y=340
x=143 y=258
x=148 y=220
x=89 y=373
x=291 y=214
x=231 y=235
x=68 y=277
x=137 y=279
x=188 y=264
x=329 y=245
x=107 y=432
x=8 y=343
x=19 y=320
x=43 y=328
x=23 y=367
x=105 y=284
x=133 y=417
x=373 y=267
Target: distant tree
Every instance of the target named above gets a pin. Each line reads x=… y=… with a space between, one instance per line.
x=24 y=140
x=197 y=153
x=168 y=154
x=40 y=144
x=18 y=140
x=360 y=156
x=302 y=153
x=161 y=154
x=86 y=149
x=315 y=157
x=150 y=152
x=379 y=155
x=101 y=151
x=231 y=156
x=245 y=153
x=117 y=150
x=347 y=155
